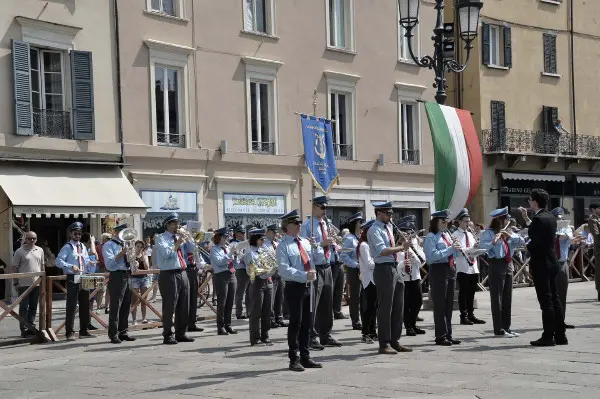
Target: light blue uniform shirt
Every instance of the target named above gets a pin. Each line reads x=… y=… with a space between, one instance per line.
x=289 y=260
x=251 y=256
x=436 y=250
x=187 y=248
x=379 y=240
x=110 y=250
x=565 y=243
x=268 y=244
x=497 y=251
x=164 y=254
x=219 y=260
x=319 y=252
x=68 y=257
x=349 y=257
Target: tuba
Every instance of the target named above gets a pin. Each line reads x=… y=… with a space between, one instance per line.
x=265 y=264
x=128 y=236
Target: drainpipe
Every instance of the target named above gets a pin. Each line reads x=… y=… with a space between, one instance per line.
x=572 y=60
x=119 y=98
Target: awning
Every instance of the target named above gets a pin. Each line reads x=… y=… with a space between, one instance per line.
x=51 y=189
x=530 y=176
x=588 y=179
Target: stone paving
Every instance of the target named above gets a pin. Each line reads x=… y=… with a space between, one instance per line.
x=227 y=367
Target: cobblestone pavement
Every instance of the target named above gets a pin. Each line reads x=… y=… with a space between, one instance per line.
x=227 y=367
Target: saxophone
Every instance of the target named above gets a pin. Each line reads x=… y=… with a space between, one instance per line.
x=265 y=264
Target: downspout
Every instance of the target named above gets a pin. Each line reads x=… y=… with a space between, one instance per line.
x=119 y=98
x=572 y=56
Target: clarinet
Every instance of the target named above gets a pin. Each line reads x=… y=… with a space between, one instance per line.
x=401 y=234
x=469 y=262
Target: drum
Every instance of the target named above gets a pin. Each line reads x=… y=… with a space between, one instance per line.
x=90 y=282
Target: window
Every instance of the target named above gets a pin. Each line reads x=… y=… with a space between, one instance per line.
x=409 y=123
x=259 y=16
x=497 y=45
x=498 y=126
x=341 y=91
x=169 y=93
x=403 y=48
x=167 y=99
x=550 y=53
x=43 y=107
x=163 y=6
x=549 y=119
x=261 y=104
x=340 y=24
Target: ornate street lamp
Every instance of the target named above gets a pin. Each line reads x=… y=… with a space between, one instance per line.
x=443 y=60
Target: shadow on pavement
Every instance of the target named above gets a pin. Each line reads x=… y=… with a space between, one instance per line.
x=220 y=378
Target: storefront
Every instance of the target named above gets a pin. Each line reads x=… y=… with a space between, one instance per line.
x=587 y=191
x=252 y=210
x=161 y=204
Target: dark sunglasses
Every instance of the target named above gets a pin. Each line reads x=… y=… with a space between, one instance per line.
x=30 y=238
x=296 y=222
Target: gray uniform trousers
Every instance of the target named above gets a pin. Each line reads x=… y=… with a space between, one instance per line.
x=242 y=290
x=442 y=280
x=390 y=302
x=277 y=299
x=323 y=306
x=501 y=285
x=261 y=291
x=224 y=283
x=175 y=292
x=119 y=289
x=562 y=283
x=192 y=275
x=337 y=275
x=355 y=294
x=597 y=266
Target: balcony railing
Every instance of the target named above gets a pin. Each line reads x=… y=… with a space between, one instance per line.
x=342 y=151
x=263 y=148
x=410 y=157
x=51 y=123
x=170 y=139
x=528 y=142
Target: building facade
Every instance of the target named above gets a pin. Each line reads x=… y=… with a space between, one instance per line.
x=528 y=87
x=60 y=151
x=210 y=107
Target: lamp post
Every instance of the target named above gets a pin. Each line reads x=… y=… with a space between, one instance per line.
x=443 y=60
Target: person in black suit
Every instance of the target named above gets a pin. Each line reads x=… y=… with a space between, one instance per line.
x=544 y=269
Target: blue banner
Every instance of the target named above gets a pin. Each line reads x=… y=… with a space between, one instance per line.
x=318 y=151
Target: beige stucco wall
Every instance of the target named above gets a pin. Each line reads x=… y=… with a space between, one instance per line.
x=95 y=20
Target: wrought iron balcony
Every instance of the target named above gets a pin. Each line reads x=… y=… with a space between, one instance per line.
x=170 y=139
x=263 y=148
x=528 y=142
x=51 y=123
x=410 y=157
x=342 y=151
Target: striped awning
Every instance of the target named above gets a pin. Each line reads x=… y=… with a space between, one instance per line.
x=77 y=190
x=534 y=177
x=588 y=179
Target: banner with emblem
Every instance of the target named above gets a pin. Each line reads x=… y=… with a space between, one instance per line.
x=318 y=150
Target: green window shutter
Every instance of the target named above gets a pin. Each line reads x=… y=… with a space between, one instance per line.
x=82 y=86
x=22 y=89
x=507 y=46
x=485 y=43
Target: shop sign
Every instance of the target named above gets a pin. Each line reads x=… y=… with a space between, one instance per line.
x=254 y=204
x=170 y=201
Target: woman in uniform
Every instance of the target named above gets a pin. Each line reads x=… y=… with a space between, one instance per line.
x=224 y=281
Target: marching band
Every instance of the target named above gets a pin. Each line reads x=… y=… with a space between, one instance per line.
x=271 y=272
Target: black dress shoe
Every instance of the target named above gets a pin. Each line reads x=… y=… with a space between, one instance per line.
x=195 y=329
x=419 y=330
x=311 y=364
x=222 y=331
x=374 y=336
x=170 y=341
x=400 y=348
x=86 y=334
x=267 y=341
x=465 y=321
x=454 y=341
x=357 y=326
x=315 y=345
x=282 y=323
x=230 y=330
x=115 y=340
x=185 y=338
x=254 y=342
x=411 y=332
x=475 y=320
x=242 y=317
x=366 y=339
x=330 y=342
x=420 y=319
x=274 y=324
x=569 y=326
x=443 y=342
x=340 y=316
x=92 y=327
x=543 y=342
x=561 y=341
x=126 y=337
x=296 y=366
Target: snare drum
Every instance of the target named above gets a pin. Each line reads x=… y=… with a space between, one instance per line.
x=90 y=282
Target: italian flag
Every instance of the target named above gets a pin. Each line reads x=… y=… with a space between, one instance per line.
x=457 y=156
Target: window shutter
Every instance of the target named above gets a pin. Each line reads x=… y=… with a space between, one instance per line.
x=22 y=89
x=507 y=47
x=501 y=117
x=553 y=68
x=485 y=43
x=494 y=106
x=549 y=118
x=547 y=51
x=553 y=117
x=82 y=85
